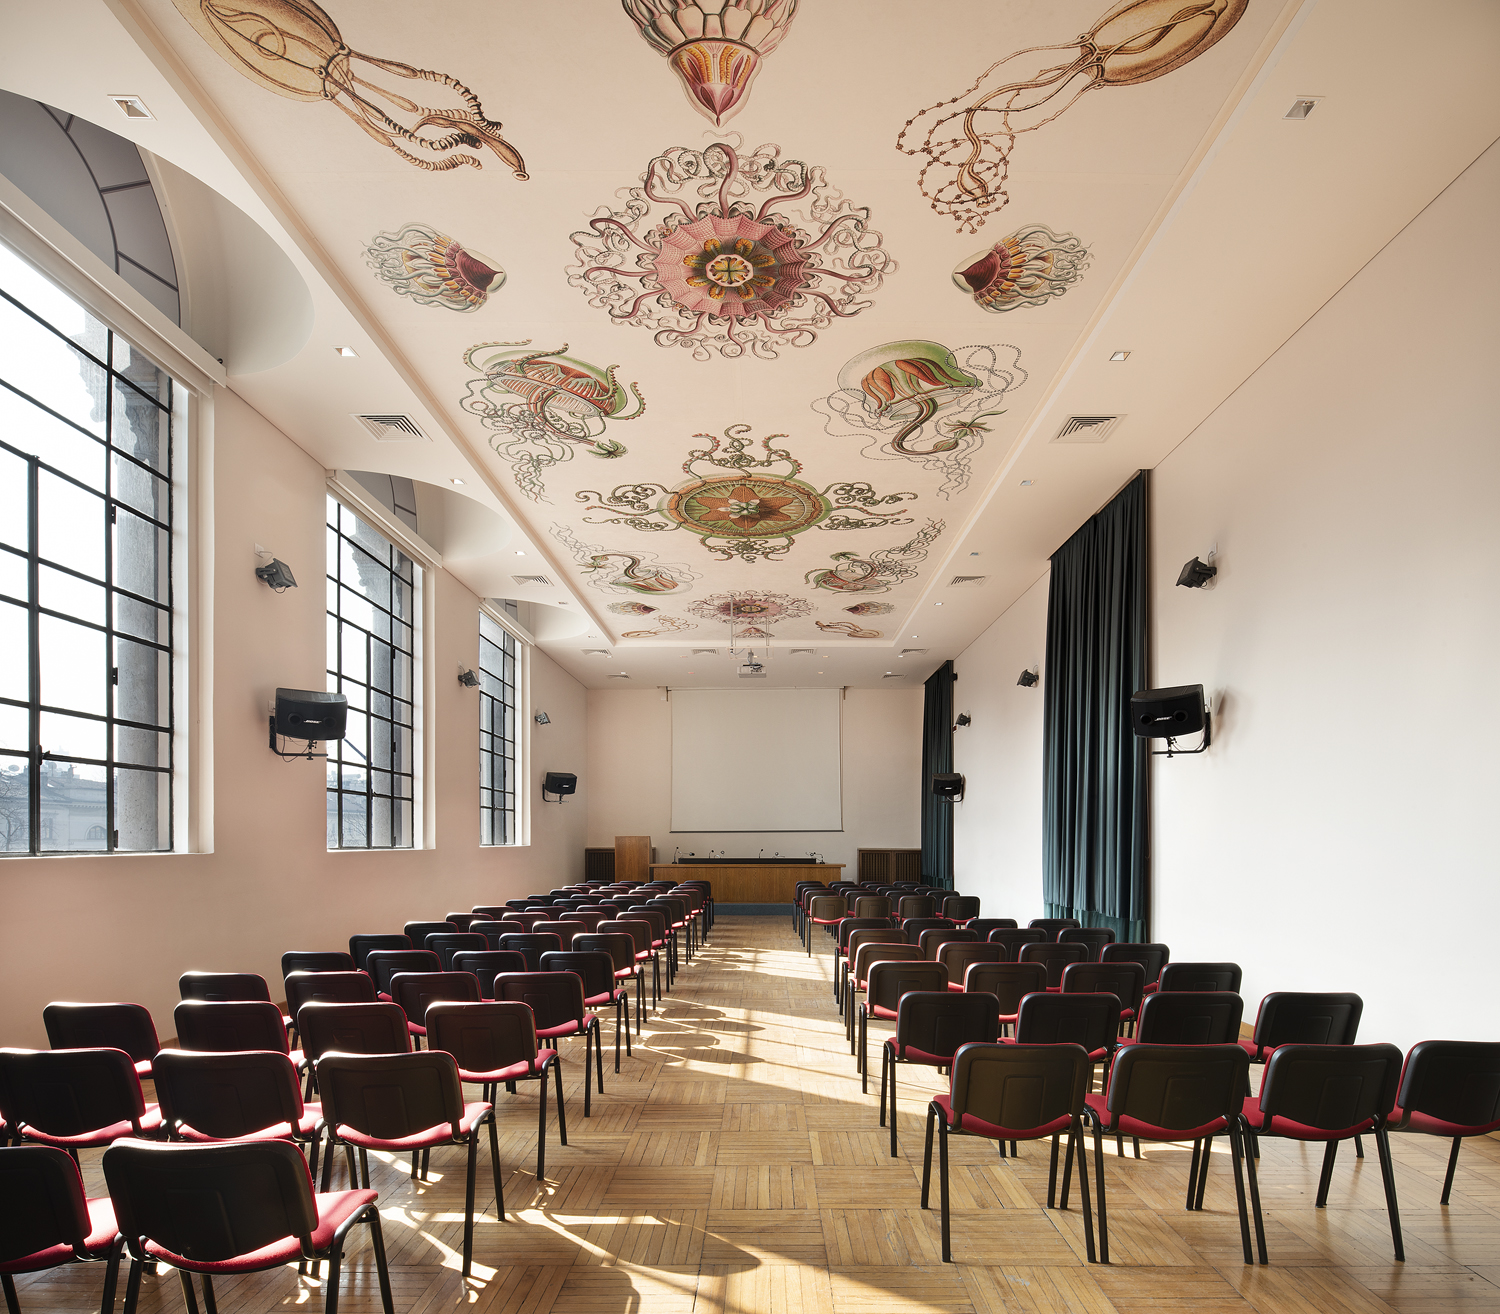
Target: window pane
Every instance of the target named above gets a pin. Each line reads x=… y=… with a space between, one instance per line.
x=143 y=807
x=15 y=806
x=142 y=556
x=72 y=525
x=14 y=525
x=497 y=710
x=74 y=665
x=139 y=428
x=15 y=666
x=68 y=593
x=73 y=736
x=142 y=747
x=141 y=683
x=51 y=370
x=60 y=445
x=15 y=732
x=75 y=808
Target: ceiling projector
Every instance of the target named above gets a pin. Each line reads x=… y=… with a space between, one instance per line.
x=752 y=669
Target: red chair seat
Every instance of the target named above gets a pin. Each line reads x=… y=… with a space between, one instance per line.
x=1095 y=1056
x=597 y=1001
x=151 y=1121
x=1422 y=1122
x=625 y=974
x=1297 y=1131
x=1252 y=1049
x=102 y=1233
x=880 y=1010
x=969 y=1123
x=442 y=1134
x=515 y=1072
x=1149 y=1131
x=911 y=1054
x=957 y=986
x=333 y=1208
x=143 y=1069
x=565 y=1028
x=312 y=1117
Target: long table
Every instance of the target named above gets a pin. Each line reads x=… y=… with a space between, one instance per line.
x=756 y=883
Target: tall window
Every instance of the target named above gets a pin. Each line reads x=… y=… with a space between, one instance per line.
x=372 y=611
x=85 y=580
x=498 y=654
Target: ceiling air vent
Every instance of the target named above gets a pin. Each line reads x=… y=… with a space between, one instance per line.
x=912 y=652
x=804 y=651
x=705 y=652
x=533 y=579
x=392 y=428
x=1087 y=428
x=894 y=675
x=967 y=581
x=620 y=676
x=596 y=652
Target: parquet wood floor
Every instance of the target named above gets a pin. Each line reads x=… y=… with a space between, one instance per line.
x=733 y=1167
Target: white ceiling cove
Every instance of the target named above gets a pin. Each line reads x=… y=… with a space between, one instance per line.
x=776 y=310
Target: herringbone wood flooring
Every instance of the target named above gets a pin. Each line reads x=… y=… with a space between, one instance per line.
x=733 y=1167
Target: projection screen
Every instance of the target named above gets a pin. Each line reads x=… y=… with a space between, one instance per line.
x=756 y=759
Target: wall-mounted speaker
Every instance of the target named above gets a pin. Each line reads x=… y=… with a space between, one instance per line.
x=948 y=784
x=307 y=714
x=559 y=783
x=1167 y=713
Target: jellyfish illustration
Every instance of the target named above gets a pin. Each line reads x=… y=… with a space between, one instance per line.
x=714 y=46
x=1028 y=268
x=630 y=608
x=292 y=47
x=967 y=161
x=908 y=382
x=851 y=628
x=870 y=609
x=634 y=575
x=432 y=269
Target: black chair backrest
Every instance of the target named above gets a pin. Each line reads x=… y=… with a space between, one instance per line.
x=1020 y=1086
x=886 y=934
x=1092 y=1021
x=484 y=964
x=532 y=946
x=655 y=916
x=224 y=987
x=916 y=905
x=636 y=929
x=1331 y=1087
x=880 y=951
x=1191 y=1017
x=1014 y=939
x=1455 y=1081
x=827 y=907
x=492 y=931
x=102 y=1026
x=984 y=925
x=483 y=1037
x=461 y=920
x=218 y=1027
x=392 y=1096
x=1010 y=983
x=1298 y=1017
x=1153 y=957
x=328 y=988
x=41 y=1202
x=1126 y=981
x=414 y=991
x=227 y=1096
x=360 y=946
x=1201 y=976
x=938 y=1022
x=447 y=943
x=243 y=1196
x=1094 y=937
x=1055 y=956
x=1178 y=1087
x=935 y=937
x=871 y=905
x=1052 y=925
x=960 y=907
x=958 y=954
x=382 y=964
x=352 y=1029
x=70 y=1092
x=889 y=980
x=619 y=946
x=489 y=912
x=555 y=998
x=316 y=960
x=849 y=925
x=914 y=926
x=564 y=931
x=594 y=968
x=417 y=932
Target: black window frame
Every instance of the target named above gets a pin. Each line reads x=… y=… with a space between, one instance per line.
x=499 y=731
x=119 y=390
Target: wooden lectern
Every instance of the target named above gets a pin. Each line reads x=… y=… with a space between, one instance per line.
x=632 y=857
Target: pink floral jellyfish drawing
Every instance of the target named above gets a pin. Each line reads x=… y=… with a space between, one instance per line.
x=1028 y=268
x=294 y=48
x=967 y=150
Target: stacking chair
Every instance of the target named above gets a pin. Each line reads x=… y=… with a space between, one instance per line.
x=1177 y=1093
x=1055 y=957
x=1200 y=976
x=1052 y=925
x=846 y=929
x=46 y=1221
x=316 y=960
x=914 y=926
x=956 y=955
x=447 y=943
x=1191 y=1017
x=414 y=992
x=982 y=926
x=822 y=910
x=329 y=987
x=916 y=905
x=871 y=905
x=1302 y=1017
x=495 y=1044
x=857 y=936
x=621 y=950
x=960 y=907
x=1093 y=1021
x=583 y=919
x=1449 y=1088
x=461 y=920
x=530 y=917
x=935 y=937
x=417 y=932
x=801 y=892
x=1152 y=957
x=1330 y=1093
x=226 y=988
x=886 y=983
x=660 y=934
x=485 y=964
x=74 y=1099
x=1013 y=1093
x=931 y=1025
x=401 y=1102
x=218 y=1027
x=489 y=912
x=492 y=931
x=696 y=901
x=325 y=1028
x=564 y=931
x=1010 y=983
x=862 y=956
x=556 y=1000
x=361 y=946
x=1014 y=940
x=382 y=964
x=596 y=970
x=253 y=1208
x=532 y=946
x=1126 y=981
x=640 y=933
x=1094 y=937
x=104 y=1026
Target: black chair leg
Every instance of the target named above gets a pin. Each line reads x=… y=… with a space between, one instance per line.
x=1193 y=1172
x=1243 y=1151
x=331 y=1300
x=327 y=1164
x=541 y=1127
x=382 y=1272
x=932 y=1112
x=111 y=1277
x=1067 y=1179
x=495 y=1171
x=942 y=1177
x=469 y=1202
x=562 y=1112
x=364 y=1168
x=1099 y=1177
x=1388 y=1175
x=210 y=1305
x=1052 y=1171
x=9 y=1283
x=1330 y=1153
x=1452 y=1164
x=1239 y=1191
x=588 y=1072
x=1359 y=1147
x=1083 y=1193
x=132 y=1288
x=187 y=1290
x=1208 y=1145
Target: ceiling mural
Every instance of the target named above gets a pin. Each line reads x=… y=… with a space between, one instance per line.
x=292 y=47
x=967 y=151
x=728 y=252
x=731 y=356
x=432 y=268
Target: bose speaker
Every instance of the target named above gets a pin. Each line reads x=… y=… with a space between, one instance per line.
x=560 y=783
x=1160 y=713
x=306 y=714
x=948 y=785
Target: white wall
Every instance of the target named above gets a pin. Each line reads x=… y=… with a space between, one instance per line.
x=1337 y=834
x=125 y=927
x=630 y=778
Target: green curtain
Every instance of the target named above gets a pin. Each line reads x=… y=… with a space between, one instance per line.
x=937 y=758
x=1095 y=859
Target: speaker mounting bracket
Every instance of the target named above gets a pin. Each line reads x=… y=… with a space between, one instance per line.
x=308 y=756
x=1208 y=737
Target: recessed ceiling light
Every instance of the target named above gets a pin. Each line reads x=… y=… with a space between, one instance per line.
x=973 y=554
x=1119 y=355
x=457 y=483
x=132 y=107
x=519 y=553
x=1302 y=107
x=562 y=602
x=346 y=351
x=1026 y=483
x=916 y=636
x=937 y=604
